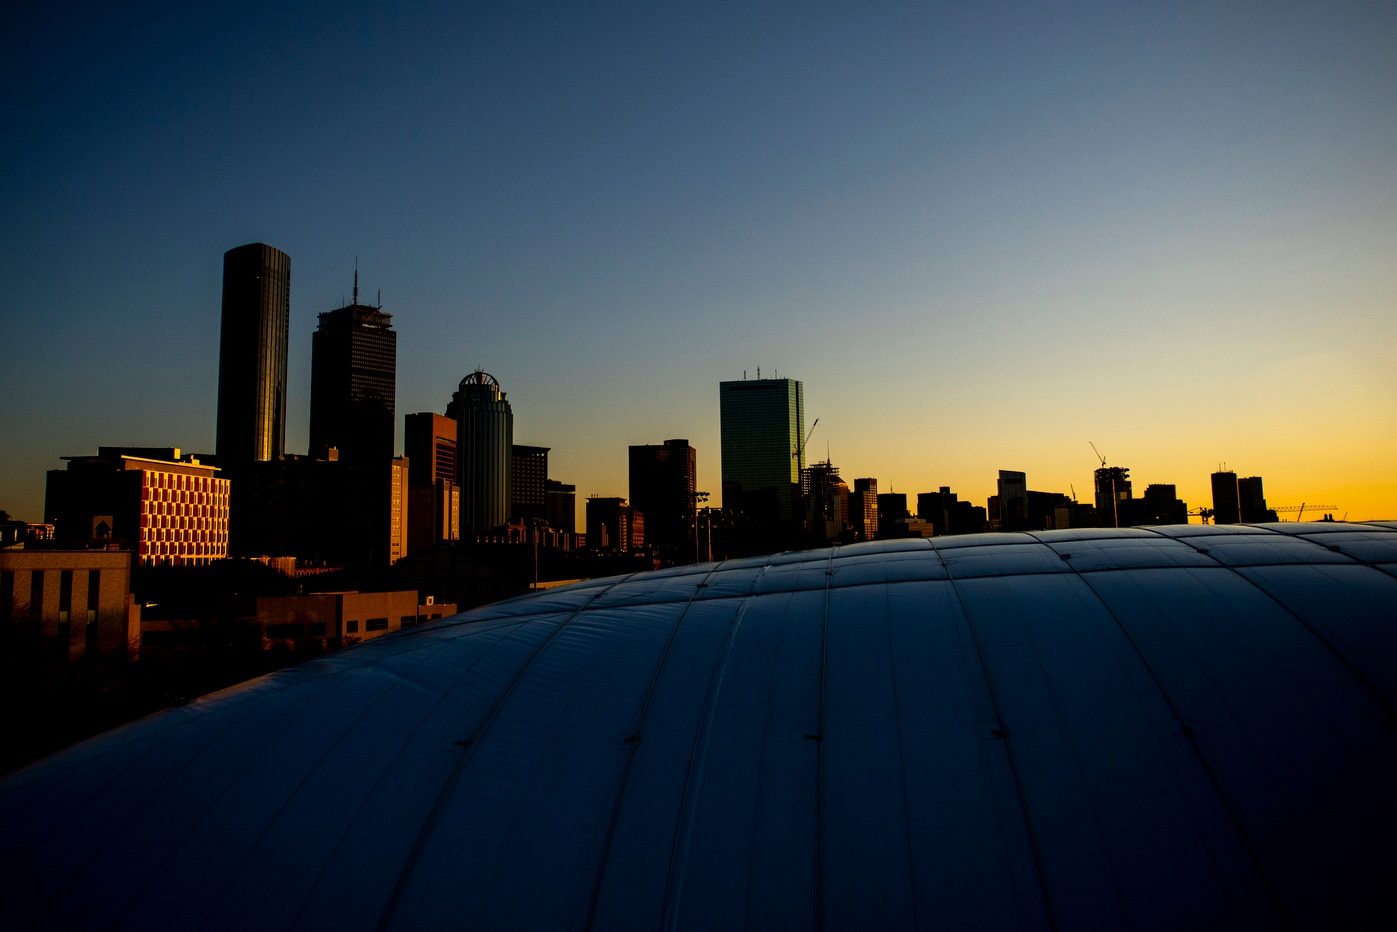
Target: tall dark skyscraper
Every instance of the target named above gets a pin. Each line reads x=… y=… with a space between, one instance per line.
x=763 y=428
x=484 y=452
x=528 y=483
x=662 y=489
x=1227 y=507
x=354 y=366
x=252 y=354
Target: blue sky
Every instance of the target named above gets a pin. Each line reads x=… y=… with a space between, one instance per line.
x=981 y=234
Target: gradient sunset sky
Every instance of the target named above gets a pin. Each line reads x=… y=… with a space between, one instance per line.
x=981 y=234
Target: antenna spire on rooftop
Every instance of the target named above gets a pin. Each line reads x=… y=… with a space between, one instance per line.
x=356 y=279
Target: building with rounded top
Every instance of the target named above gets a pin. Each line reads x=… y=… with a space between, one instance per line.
x=1168 y=728
x=484 y=451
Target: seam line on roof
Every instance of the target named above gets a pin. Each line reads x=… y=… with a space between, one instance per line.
x=820 y=750
x=688 y=797
x=1368 y=685
x=1188 y=733
x=505 y=633
x=1035 y=851
x=633 y=742
x=465 y=756
x=899 y=732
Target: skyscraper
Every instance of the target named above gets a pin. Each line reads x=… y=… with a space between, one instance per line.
x=763 y=429
x=252 y=354
x=863 y=509
x=354 y=365
x=528 y=483
x=1013 y=500
x=1251 y=499
x=662 y=489
x=1227 y=508
x=434 y=515
x=484 y=452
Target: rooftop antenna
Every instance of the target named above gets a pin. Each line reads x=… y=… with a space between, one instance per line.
x=356 y=279
x=380 y=299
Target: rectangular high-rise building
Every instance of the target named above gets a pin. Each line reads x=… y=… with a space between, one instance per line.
x=434 y=512
x=252 y=355
x=1013 y=500
x=662 y=484
x=562 y=506
x=353 y=381
x=1227 y=508
x=763 y=432
x=1251 y=501
x=528 y=483
x=863 y=509
x=429 y=441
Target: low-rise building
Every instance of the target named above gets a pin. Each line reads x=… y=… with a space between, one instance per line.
x=342 y=618
x=79 y=601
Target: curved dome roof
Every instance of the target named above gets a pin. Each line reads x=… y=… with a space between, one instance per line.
x=1171 y=728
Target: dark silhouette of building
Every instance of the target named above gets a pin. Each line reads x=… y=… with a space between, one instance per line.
x=562 y=506
x=1012 y=499
x=826 y=497
x=252 y=354
x=434 y=512
x=484 y=452
x=863 y=509
x=763 y=434
x=662 y=485
x=1227 y=508
x=1112 y=488
x=892 y=512
x=1251 y=500
x=322 y=510
x=1159 y=505
x=948 y=514
x=354 y=362
x=614 y=526
x=528 y=483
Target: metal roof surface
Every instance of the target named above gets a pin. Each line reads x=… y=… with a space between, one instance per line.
x=1163 y=728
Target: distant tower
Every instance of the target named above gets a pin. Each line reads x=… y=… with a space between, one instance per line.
x=662 y=484
x=353 y=382
x=763 y=433
x=1227 y=506
x=484 y=452
x=252 y=354
x=429 y=441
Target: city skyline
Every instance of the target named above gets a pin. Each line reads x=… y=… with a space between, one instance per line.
x=979 y=240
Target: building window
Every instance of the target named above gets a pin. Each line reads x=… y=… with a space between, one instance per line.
x=376 y=624
x=407 y=621
x=94 y=588
x=351 y=627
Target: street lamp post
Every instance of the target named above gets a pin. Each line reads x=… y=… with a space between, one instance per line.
x=699 y=498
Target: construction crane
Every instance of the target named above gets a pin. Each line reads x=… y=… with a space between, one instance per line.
x=1204 y=515
x=800 y=450
x=1301 y=508
x=1098 y=454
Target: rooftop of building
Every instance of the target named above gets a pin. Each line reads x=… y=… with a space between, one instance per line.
x=1174 y=727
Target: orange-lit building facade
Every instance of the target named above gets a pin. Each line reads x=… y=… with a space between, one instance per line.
x=168 y=508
